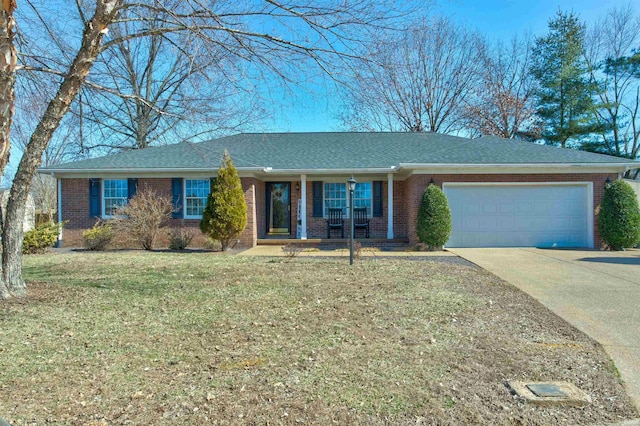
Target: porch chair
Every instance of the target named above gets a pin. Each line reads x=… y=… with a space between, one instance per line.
x=335 y=221
x=360 y=220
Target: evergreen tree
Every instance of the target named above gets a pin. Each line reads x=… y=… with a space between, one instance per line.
x=434 y=218
x=225 y=215
x=565 y=91
x=619 y=216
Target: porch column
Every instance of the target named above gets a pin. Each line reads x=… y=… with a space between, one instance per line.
x=390 y=206
x=59 y=196
x=303 y=207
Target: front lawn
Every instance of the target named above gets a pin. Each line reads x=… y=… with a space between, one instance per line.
x=205 y=338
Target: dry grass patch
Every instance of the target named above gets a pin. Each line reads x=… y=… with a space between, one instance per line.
x=198 y=338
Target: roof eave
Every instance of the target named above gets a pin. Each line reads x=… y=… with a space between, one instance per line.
x=516 y=168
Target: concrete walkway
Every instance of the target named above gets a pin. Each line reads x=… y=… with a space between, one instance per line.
x=275 y=250
x=596 y=291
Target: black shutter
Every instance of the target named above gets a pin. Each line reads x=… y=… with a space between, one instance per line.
x=176 y=192
x=317 y=198
x=95 y=205
x=132 y=187
x=377 y=198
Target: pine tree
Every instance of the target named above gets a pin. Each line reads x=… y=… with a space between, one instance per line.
x=225 y=215
x=565 y=93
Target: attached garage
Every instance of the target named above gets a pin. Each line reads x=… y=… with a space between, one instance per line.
x=521 y=214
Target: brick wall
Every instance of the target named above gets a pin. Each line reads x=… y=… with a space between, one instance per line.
x=406 y=201
x=417 y=183
x=75 y=210
x=317 y=226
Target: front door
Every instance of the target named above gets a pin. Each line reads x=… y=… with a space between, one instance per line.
x=279 y=208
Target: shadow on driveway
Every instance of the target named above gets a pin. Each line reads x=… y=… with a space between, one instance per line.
x=612 y=260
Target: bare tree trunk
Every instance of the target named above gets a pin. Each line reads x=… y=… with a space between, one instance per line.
x=8 y=60
x=12 y=234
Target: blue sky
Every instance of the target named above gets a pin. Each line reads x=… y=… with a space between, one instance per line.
x=497 y=19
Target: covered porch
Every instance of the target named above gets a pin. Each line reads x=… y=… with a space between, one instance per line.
x=296 y=208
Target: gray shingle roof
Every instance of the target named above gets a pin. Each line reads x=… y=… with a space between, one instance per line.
x=340 y=150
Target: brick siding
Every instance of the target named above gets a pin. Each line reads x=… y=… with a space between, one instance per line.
x=75 y=211
x=406 y=200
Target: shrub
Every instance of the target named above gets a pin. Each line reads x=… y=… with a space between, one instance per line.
x=40 y=238
x=434 y=218
x=619 y=216
x=212 y=244
x=292 y=250
x=141 y=219
x=99 y=237
x=225 y=215
x=180 y=238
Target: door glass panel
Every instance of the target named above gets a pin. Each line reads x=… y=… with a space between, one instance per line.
x=279 y=211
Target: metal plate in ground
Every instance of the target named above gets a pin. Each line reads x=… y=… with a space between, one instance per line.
x=546 y=390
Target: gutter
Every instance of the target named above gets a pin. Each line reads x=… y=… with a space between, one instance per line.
x=53 y=171
x=519 y=168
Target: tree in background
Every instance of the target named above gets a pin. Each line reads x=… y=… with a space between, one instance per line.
x=225 y=216
x=434 y=218
x=417 y=82
x=615 y=65
x=564 y=96
x=619 y=216
x=504 y=106
x=160 y=89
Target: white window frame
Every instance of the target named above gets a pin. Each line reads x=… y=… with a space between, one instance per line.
x=185 y=198
x=325 y=213
x=104 y=198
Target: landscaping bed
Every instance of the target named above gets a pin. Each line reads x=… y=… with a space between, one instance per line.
x=210 y=338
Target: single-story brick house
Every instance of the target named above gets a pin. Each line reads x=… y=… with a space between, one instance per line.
x=501 y=192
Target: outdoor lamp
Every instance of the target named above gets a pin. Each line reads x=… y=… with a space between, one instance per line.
x=351 y=184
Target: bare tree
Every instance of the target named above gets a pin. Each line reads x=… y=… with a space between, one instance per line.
x=8 y=62
x=272 y=38
x=504 y=107
x=615 y=65
x=417 y=82
x=160 y=89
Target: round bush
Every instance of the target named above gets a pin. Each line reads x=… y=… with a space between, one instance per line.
x=434 y=218
x=619 y=216
x=99 y=237
x=40 y=238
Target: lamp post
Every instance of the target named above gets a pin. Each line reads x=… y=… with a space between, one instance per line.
x=352 y=187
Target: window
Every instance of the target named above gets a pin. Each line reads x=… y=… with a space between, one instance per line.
x=196 y=192
x=336 y=196
x=115 y=194
x=362 y=196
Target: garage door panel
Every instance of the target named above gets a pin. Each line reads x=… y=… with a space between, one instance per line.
x=519 y=215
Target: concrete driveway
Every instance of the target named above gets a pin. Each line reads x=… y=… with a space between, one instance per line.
x=596 y=291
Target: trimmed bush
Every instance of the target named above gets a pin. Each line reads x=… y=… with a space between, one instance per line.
x=40 y=238
x=180 y=238
x=619 y=216
x=99 y=237
x=434 y=218
x=225 y=215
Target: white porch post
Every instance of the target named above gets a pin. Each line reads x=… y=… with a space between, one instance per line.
x=303 y=207
x=59 y=196
x=390 y=206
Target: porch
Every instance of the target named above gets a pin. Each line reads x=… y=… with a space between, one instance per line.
x=383 y=244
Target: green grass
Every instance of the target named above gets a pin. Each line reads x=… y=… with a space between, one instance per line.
x=191 y=337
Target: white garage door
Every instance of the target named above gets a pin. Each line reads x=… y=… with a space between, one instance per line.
x=527 y=215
